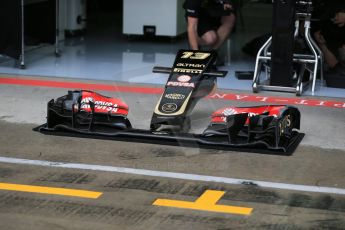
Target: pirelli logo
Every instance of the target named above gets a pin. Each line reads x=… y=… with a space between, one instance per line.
x=183 y=70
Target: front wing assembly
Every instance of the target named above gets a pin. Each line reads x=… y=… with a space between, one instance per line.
x=262 y=129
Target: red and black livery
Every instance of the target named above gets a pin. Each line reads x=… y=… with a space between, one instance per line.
x=83 y=110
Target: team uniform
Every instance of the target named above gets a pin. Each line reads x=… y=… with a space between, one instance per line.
x=208 y=12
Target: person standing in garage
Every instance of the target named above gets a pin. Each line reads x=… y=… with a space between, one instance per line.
x=209 y=22
x=329 y=33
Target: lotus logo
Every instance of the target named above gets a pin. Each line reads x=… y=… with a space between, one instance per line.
x=175 y=96
x=169 y=107
x=184 y=78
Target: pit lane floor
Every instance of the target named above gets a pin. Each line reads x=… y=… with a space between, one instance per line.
x=126 y=200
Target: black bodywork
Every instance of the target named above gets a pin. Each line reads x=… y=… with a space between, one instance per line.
x=199 y=74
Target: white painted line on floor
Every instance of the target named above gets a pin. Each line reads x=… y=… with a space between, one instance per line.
x=174 y=175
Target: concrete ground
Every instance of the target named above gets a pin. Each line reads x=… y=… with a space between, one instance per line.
x=126 y=202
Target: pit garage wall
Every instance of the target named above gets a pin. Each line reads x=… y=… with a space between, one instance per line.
x=10 y=27
x=166 y=15
x=21 y=25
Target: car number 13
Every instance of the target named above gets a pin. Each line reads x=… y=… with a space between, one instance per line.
x=195 y=55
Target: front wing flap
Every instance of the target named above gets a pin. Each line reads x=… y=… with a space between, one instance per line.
x=272 y=125
x=89 y=111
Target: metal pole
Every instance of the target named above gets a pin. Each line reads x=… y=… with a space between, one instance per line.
x=228 y=52
x=256 y=77
x=321 y=56
x=316 y=58
x=22 y=58
x=57 y=31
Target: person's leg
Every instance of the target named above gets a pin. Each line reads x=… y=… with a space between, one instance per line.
x=224 y=30
x=209 y=38
x=206 y=31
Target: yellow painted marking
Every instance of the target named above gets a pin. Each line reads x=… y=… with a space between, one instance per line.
x=206 y=202
x=50 y=190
